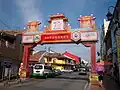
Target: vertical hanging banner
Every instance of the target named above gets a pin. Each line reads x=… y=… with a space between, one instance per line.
x=118 y=48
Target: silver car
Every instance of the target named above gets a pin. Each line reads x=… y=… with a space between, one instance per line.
x=82 y=71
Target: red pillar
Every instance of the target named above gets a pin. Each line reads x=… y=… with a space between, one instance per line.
x=25 y=60
x=93 y=56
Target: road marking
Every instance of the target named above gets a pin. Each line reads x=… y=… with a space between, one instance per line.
x=86 y=86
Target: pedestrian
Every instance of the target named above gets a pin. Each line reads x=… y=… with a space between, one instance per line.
x=100 y=71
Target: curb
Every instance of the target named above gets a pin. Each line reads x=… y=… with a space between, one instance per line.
x=15 y=82
x=87 y=86
x=26 y=84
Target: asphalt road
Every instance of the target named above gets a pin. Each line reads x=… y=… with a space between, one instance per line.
x=71 y=81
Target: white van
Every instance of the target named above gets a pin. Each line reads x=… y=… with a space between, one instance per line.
x=41 y=70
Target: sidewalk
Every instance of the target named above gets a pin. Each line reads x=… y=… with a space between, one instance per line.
x=14 y=82
x=94 y=85
x=108 y=84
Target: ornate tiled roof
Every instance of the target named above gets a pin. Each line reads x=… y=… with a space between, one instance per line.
x=36 y=56
x=13 y=32
x=54 y=55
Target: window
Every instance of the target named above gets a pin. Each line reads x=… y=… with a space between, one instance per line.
x=38 y=67
x=0 y=43
x=6 y=42
x=48 y=67
x=3 y=44
x=10 y=45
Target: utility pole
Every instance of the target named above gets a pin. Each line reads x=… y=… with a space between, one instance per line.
x=45 y=48
x=4 y=24
x=49 y=55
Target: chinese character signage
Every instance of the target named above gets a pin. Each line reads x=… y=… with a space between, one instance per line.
x=27 y=39
x=57 y=25
x=56 y=37
x=88 y=36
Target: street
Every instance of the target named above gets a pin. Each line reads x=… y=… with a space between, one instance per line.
x=67 y=81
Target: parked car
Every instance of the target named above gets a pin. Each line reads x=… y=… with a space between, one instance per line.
x=82 y=71
x=75 y=70
x=57 y=72
x=66 y=71
x=41 y=70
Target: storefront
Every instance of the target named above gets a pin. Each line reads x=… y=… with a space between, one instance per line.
x=8 y=68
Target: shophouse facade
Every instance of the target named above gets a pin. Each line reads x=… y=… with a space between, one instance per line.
x=10 y=52
x=54 y=59
x=112 y=40
x=102 y=37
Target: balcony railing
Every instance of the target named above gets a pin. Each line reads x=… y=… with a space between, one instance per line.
x=6 y=44
x=7 y=49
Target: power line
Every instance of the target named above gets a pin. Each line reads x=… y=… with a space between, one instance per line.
x=4 y=24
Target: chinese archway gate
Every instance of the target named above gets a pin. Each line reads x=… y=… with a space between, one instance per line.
x=59 y=31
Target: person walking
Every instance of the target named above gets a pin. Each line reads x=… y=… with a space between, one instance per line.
x=100 y=71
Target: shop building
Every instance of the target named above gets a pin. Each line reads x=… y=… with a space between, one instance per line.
x=56 y=60
x=112 y=39
x=103 y=42
x=10 y=52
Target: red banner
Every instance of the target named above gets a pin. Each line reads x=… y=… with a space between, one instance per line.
x=56 y=37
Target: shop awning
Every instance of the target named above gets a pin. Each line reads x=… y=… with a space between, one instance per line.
x=104 y=63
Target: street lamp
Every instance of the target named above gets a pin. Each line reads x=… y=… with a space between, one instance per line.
x=109 y=14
